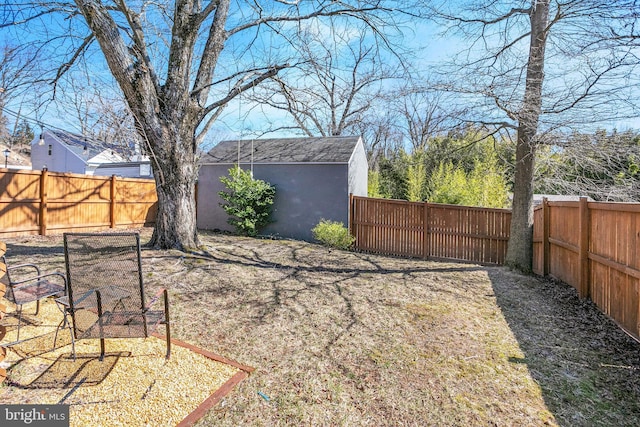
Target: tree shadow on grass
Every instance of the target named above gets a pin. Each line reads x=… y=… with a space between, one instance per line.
x=46 y=249
x=587 y=368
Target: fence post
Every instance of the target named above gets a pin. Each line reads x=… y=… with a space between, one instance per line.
x=426 y=230
x=584 y=226
x=43 y=201
x=112 y=202
x=350 y=219
x=546 y=229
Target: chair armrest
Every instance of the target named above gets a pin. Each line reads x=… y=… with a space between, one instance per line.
x=84 y=296
x=64 y=301
x=21 y=266
x=34 y=278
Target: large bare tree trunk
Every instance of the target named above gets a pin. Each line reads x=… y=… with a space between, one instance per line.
x=166 y=118
x=175 y=172
x=520 y=249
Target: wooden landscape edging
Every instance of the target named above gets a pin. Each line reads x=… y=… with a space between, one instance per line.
x=243 y=372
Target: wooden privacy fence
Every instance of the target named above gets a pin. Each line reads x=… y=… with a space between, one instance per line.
x=594 y=247
x=430 y=230
x=39 y=202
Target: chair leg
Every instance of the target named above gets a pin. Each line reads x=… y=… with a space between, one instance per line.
x=73 y=342
x=37 y=307
x=99 y=302
x=65 y=323
x=55 y=337
x=168 y=335
x=167 y=323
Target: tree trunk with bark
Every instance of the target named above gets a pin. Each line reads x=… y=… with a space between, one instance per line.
x=520 y=248
x=175 y=173
x=166 y=115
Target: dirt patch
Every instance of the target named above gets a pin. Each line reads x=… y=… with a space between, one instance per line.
x=342 y=338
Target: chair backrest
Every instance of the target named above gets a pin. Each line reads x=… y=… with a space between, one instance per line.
x=104 y=261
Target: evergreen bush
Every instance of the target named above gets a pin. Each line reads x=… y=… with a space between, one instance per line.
x=248 y=201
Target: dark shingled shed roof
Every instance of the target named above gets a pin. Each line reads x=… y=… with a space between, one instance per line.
x=334 y=149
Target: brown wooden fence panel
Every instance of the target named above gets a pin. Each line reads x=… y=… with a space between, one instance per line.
x=614 y=266
x=77 y=202
x=388 y=226
x=564 y=238
x=468 y=233
x=537 y=264
x=429 y=230
x=136 y=201
x=35 y=202
x=19 y=202
x=594 y=247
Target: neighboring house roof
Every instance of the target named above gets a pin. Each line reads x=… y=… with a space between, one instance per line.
x=93 y=151
x=334 y=149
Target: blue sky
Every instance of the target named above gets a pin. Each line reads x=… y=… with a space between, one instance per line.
x=240 y=118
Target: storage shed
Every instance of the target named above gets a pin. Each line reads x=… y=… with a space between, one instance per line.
x=313 y=179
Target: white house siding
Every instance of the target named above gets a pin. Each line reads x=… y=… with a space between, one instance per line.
x=66 y=152
x=55 y=156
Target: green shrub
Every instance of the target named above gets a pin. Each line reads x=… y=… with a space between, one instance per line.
x=333 y=234
x=248 y=201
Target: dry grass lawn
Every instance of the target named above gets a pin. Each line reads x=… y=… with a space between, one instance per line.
x=342 y=338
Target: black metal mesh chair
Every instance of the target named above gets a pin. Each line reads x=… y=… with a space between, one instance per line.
x=25 y=283
x=106 y=296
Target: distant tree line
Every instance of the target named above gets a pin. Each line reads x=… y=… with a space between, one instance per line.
x=603 y=165
x=469 y=168
x=458 y=168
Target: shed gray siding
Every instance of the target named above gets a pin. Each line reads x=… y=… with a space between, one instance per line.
x=125 y=170
x=304 y=195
